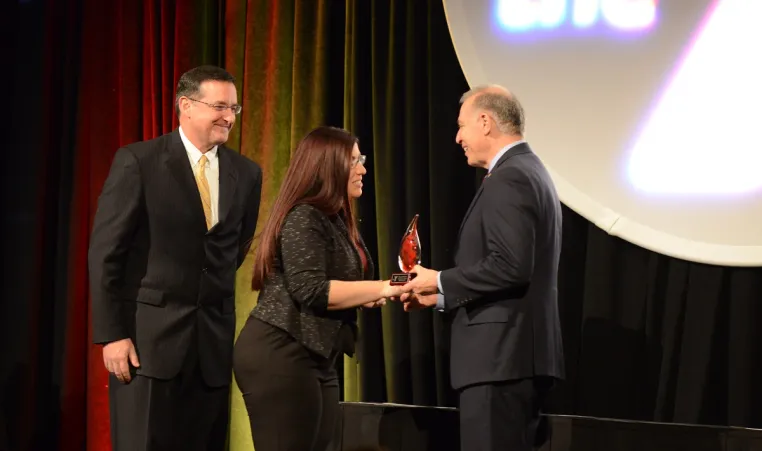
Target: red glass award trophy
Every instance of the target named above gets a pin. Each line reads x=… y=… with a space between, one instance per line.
x=410 y=254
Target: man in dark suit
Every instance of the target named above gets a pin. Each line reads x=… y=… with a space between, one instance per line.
x=506 y=346
x=174 y=222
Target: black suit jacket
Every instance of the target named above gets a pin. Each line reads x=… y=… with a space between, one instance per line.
x=156 y=274
x=502 y=293
x=313 y=249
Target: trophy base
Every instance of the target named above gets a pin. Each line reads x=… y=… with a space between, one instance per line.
x=401 y=278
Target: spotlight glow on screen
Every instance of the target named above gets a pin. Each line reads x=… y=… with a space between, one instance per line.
x=670 y=156
x=645 y=112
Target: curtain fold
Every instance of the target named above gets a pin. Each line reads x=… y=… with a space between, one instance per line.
x=132 y=55
x=649 y=337
x=408 y=56
x=288 y=69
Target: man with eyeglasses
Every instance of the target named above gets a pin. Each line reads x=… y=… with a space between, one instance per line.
x=175 y=220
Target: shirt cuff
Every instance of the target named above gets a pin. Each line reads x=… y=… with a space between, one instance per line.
x=440 y=296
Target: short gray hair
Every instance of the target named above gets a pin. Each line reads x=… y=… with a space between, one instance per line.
x=504 y=107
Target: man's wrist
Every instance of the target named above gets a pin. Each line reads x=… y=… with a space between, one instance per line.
x=440 y=295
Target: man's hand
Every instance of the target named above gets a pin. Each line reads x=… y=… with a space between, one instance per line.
x=412 y=301
x=115 y=357
x=425 y=282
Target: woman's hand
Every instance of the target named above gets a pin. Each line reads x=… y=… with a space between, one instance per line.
x=388 y=291
x=375 y=304
x=391 y=291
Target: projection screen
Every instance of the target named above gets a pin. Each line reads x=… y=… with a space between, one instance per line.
x=648 y=113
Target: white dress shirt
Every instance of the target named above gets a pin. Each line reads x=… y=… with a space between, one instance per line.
x=212 y=171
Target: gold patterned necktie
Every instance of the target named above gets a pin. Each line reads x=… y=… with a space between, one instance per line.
x=203 y=189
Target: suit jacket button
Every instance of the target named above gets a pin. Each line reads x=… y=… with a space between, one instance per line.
x=203 y=270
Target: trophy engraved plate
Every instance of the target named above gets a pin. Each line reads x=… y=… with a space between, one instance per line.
x=409 y=255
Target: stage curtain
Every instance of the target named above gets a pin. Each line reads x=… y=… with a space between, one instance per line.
x=287 y=58
x=132 y=55
x=403 y=87
x=646 y=336
x=368 y=67
x=108 y=72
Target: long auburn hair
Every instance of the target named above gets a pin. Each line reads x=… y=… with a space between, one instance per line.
x=317 y=175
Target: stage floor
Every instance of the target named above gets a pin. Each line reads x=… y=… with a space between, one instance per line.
x=397 y=427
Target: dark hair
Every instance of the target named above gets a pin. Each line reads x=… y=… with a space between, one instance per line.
x=317 y=175
x=190 y=82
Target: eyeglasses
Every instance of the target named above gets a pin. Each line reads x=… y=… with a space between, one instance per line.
x=360 y=159
x=220 y=107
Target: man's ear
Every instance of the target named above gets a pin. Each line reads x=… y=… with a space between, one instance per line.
x=485 y=122
x=183 y=105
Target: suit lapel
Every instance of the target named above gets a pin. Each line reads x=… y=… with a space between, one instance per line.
x=512 y=152
x=179 y=166
x=228 y=179
x=471 y=207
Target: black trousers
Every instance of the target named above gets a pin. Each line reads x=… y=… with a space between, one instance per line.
x=150 y=414
x=291 y=394
x=503 y=416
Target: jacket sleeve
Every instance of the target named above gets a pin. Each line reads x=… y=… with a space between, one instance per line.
x=115 y=222
x=304 y=246
x=509 y=222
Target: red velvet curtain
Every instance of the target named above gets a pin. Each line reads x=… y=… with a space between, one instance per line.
x=132 y=55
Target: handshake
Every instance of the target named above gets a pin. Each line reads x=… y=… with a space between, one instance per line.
x=419 y=293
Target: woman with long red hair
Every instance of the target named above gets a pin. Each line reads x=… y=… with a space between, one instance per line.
x=313 y=271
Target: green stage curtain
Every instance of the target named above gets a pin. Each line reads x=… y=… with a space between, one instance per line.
x=375 y=68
